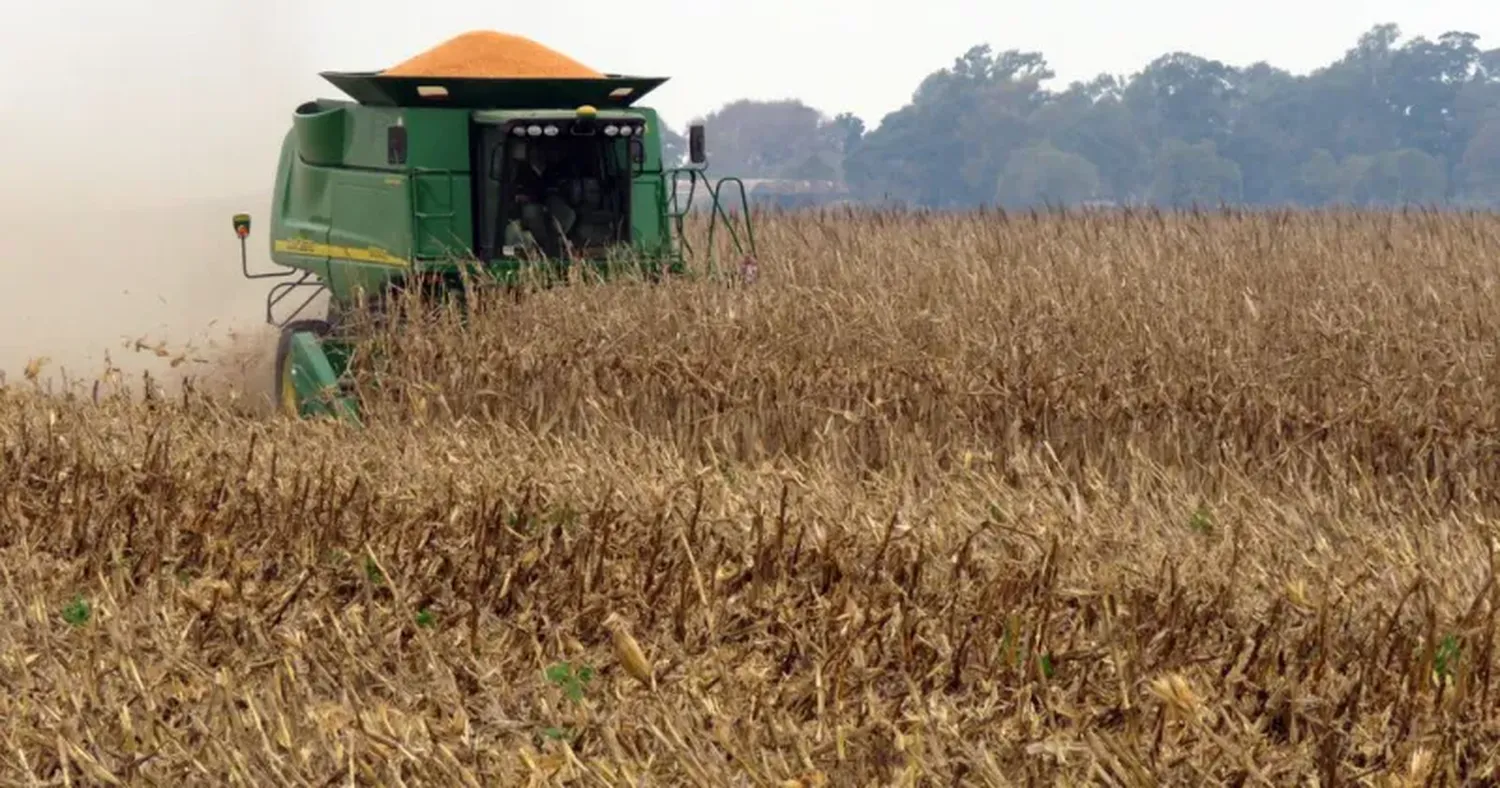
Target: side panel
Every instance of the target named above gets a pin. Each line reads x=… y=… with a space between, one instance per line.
x=648 y=222
x=302 y=212
x=439 y=139
x=371 y=236
x=390 y=184
x=368 y=145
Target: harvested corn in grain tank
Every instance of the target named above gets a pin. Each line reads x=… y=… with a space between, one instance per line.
x=484 y=53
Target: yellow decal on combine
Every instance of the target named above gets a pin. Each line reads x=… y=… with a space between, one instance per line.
x=368 y=254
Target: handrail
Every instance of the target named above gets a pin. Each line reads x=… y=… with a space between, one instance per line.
x=418 y=217
x=717 y=212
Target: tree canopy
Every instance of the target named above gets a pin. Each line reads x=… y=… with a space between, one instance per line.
x=1387 y=123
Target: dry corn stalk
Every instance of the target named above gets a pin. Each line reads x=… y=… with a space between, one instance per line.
x=628 y=651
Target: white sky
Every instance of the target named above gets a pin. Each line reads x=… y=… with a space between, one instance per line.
x=140 y=87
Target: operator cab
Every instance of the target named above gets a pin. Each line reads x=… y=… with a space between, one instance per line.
x=556 y=187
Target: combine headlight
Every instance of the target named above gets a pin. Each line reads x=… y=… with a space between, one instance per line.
x=610 y=131
x=535 y=131
x=551 y=131
x=626 y=131
x=519 y=131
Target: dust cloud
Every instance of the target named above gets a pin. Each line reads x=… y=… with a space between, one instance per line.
x=133 y=132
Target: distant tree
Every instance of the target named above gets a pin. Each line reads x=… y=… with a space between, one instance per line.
x=948 y=147
x=1091 y=120
x=1481 y=164
x=1353 y=180
x=1487 y=66
x=1185 y=96
x=1042 y=174
x=1387 y=122
x=1263 y=139
x=1391 y=178
x=1317 y=180
x=847 y=131
x=1426 y=80
x=768 y=139
x=906 y=158
x=1409 y=176
x=814 y=168
x=1189 y=174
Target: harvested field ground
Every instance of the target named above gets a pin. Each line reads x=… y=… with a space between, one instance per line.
x=1115 y=499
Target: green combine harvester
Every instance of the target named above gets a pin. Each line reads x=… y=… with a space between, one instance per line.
x=431 y=180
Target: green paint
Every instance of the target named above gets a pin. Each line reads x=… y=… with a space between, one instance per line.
x=316 y=366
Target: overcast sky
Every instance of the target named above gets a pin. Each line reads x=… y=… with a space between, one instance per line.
x=171 y=96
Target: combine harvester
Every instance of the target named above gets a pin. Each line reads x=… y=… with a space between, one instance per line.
x=434 y=179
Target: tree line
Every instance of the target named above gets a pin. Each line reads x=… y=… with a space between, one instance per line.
x=1387 y=123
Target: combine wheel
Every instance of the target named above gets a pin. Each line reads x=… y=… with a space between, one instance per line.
x=286 y=392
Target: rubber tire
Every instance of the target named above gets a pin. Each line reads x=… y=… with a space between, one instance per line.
x=282 y=379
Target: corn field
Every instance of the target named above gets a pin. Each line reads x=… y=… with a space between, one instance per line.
x=1120 y=499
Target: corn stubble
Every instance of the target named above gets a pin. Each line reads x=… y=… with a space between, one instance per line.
x=1115 y=499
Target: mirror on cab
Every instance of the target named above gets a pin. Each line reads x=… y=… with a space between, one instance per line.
x=696 y=152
